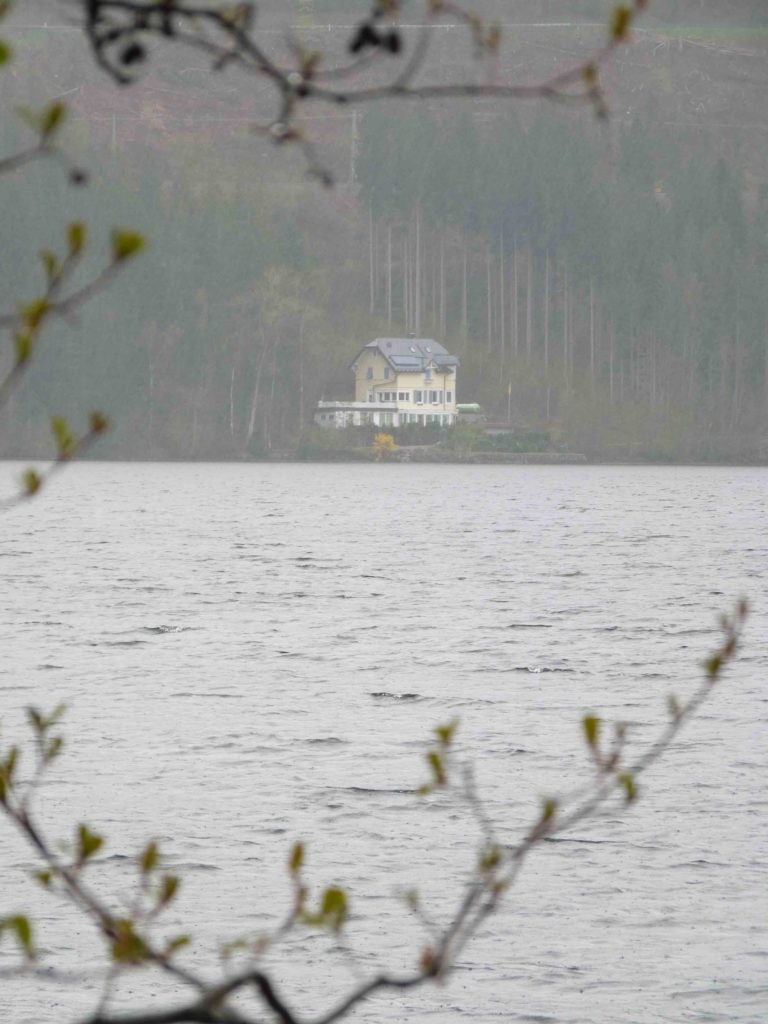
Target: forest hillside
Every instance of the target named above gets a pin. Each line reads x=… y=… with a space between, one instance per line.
x=609 y=277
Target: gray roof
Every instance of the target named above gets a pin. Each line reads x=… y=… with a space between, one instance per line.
x=412 y=354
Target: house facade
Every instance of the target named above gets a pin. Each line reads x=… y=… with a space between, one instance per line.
x=398 y=381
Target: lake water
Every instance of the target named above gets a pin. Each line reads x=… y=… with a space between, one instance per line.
x=257 y=653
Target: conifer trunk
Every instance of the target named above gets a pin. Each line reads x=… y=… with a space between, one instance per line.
x=592 y=331
x=489 y=309
x=514 y=311
x=502 y=305
x=301 y=372
x=255 y=396
x=566 y=354
x=389 y=274
x=232 y=402
x=611 y=342
x=406 y=280
x=464 y=311
x=529 y=308
x=371 y=280
x=546 y=313
x=442 y=284
x=418 y=274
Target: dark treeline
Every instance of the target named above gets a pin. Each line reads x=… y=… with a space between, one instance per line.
x=613 y=281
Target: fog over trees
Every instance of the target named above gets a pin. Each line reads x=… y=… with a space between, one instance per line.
x=611 y=274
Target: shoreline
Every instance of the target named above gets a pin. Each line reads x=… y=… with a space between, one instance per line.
x=405 y=456
x=490 y=458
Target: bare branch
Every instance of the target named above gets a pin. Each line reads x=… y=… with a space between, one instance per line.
x=495 y=873
x=25 y=156
x=116 y=30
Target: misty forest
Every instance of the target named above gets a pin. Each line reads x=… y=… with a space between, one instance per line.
x=608 y=276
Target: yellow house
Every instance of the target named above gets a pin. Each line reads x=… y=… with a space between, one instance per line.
x=398 y=381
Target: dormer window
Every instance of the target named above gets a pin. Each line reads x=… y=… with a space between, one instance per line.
x=386 y=373
x=427 y=375
x=369 y=373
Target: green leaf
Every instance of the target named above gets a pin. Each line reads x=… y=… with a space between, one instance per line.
x=65 y=440
x=435 y=762
x=149 y=858
x=627 y=782
x=40 y=723
x=76 y=235
x=621 y=19
x=591 y=725
x=36 y=721
x=23 y=343
x=31 y=482
x=5 y=52
x=22 y=928
x=168 y=889
x=50 y=263
x=88 y=843
x=55 y=716
x=51 y=118
x=125 y=244
x=7 y=769
x=334 y=909
x=296 y=860
x=127 y=946
x=34 y=312
x=548 y=809
x=53 y=749
x=490 y=858
x=445 y=733
x=713 y=665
